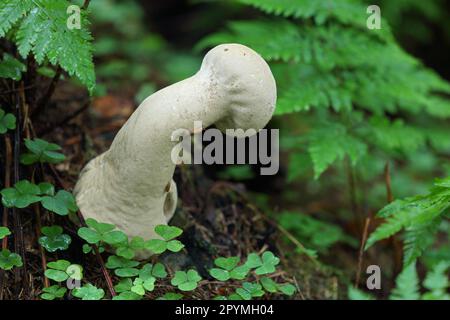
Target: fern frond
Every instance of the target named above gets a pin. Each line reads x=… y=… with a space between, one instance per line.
x=10 y=12
x=396 y=135
x=418 y=238
x=345 y=11
x=407 y=285
x=331 y=142
x=437 y=282
x=42 y=29
x=419 y=215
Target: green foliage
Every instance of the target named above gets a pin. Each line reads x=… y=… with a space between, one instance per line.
x=171 y=296
x=419 y=216
x=41 y=151
x=168 y=233
x=437 y=282
x=228 y=269
x=53 y=292
x=21 y=195
x=250 y=290
x=128 y=249
x=4 y=232
x=54 y=239
x=11 y=68
x=61 y=203
x=263 y=265
x=313 y=233
x=408 y=287
x=356 y=294
x=123 y=267
x=271 y=286
x=186 y=281
x=7 y=121
x=97 y=231
x=40 y=27
x=61 y=270
x=127 y=295
x=88 y=292
x=25 y=193
x=9 y=260
x=342 y=80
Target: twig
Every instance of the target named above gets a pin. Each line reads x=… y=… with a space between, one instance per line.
x=398 y=249
x=286 y=233
x=43 y=101
x=361 y=251
x=41 y=249
x=7 y=184
x=4 y=93
x=353 y=201
x=387 y=179
x=86 y=4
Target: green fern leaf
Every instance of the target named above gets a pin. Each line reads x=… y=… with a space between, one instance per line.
x=330 y=143
x=407 y=285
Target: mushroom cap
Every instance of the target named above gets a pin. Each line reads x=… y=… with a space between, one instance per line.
x=247 y=85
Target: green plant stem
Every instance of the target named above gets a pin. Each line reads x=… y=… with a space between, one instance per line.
x=7 y=184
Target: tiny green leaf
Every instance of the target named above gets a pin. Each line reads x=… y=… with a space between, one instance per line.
x=88 y=292
x=53 y=292
x=4 y=232
x=174 y=245
x=21 y=196
x=126 y=272
x=7 y=121
x=54 y=239
x=9 y=260
x=168 y=232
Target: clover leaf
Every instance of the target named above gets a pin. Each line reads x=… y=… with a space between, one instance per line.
x=128 y=250
x=250 y=290
x=227 y=263
x=263 y=265
x=62 y=270
x=115 y=262
x=9 y=260
x=124 y=285
x=287 y=288
x=4 y=232
x=62 y=203
x=228 y=270
x=7 y=121
x=140 y=286
x=54 y=239
x=171 y=296
x=186 y=281
x=123 y=267
x=46 y=188
x=97 y=231
x=168 y=233
x=127 y=295
x=88 y=292
x=41 y=151
x=157 y=271
x=53 y=292
x=21 y=195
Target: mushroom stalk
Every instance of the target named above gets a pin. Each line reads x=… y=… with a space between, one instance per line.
x=131 y=185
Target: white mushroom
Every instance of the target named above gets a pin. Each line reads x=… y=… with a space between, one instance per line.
x=131 y=185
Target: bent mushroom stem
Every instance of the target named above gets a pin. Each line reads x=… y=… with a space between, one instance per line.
x=131 y=185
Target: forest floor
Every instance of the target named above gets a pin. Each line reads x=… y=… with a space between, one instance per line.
x=216 y=216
